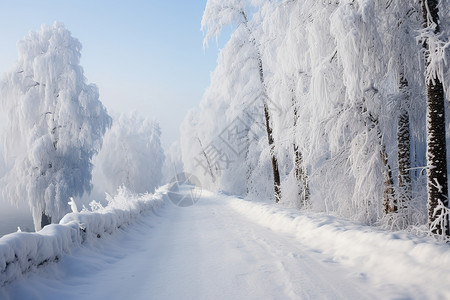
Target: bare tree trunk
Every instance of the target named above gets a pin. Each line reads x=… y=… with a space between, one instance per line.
x=275 y=171
x=213 y=178
x=45 y=220
x=300 y=171
x=301 y=176
x=436 y=142
x=389 y=200
x=403 y=148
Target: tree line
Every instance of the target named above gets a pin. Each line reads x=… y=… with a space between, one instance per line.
x=335 y=106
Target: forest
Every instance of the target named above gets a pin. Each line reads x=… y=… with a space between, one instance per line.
x=329 y=106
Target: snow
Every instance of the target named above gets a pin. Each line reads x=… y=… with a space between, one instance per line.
x=339 y=66
x=55 y=124
x=22 y=252
x=389 y=258
x=336 y=77
x=131 y=156
x=229 y=248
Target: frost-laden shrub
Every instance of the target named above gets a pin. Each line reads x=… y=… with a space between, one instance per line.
x=131 y=156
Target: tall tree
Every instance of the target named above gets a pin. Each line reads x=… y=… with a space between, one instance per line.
x=404 y=13
x=436 y=140
x=55 y=124
x=299 y=168
x=358 y=31
x=372 y=123
x=219 y=14
x=403 y=146
x=404 y=18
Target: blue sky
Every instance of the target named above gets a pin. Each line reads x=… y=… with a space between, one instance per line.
x=144 y=55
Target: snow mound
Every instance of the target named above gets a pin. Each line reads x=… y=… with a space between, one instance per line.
x=385 y=257
x=22 y=252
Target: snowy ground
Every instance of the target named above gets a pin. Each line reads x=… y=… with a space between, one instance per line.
x=225 y=248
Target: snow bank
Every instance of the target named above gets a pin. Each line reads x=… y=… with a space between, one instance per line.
x=21 y=252
x=387 y=258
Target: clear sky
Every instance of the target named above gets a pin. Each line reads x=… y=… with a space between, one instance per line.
x=143 y=55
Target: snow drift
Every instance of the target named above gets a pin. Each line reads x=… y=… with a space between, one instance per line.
x=388 y=258
x=22 y=252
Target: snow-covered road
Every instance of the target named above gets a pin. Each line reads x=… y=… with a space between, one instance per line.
x=207 y=251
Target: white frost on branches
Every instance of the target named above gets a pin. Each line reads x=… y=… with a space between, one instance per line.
x=218 y=14
x=442 y=212
x=436 y=54
x=333 y=69
x=55 y=123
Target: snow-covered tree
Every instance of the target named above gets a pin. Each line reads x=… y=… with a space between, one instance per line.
x=216 y=138
x=131 y=156
x=347 y=79
x=219 y=14
x=55 y=124
x=437 y=181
